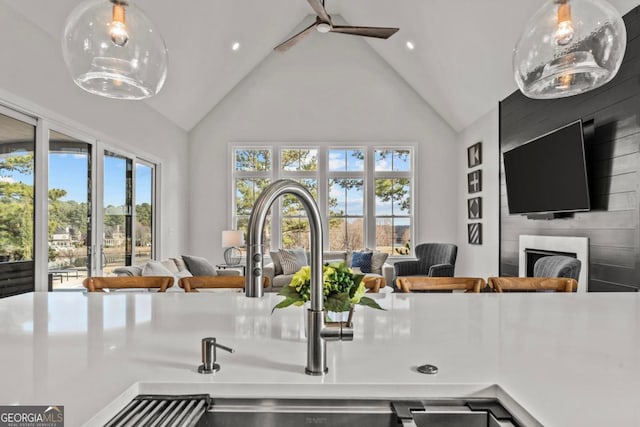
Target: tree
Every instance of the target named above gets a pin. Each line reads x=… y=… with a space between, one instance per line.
x=56 y=210
x=16 y=207
x=397 y=191
x=144 y=214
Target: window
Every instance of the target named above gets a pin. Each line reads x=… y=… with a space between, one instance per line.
x=365 y=192
x=66 y=226
x=252 y=174
x=17 y=146
x=393 y=201
x=300 y=165
x=346 y=198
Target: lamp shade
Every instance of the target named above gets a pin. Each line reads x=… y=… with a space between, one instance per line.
x=112 y=49
x=569 y=47
x=231 y=238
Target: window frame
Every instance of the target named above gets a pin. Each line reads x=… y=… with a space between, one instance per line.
x=296 y=175
x=323 y=175
x=391 y=174
x=363 y=175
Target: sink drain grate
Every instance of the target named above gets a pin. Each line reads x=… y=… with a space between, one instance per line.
x=162 y=411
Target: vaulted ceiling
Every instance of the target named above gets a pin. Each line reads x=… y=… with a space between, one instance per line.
x=461 y=64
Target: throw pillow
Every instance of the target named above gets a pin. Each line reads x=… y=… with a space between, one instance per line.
x=170 y=265
x=277 y=265
x=155 y=268
x=292 y=260
x=362 y=260
x=377 y=261
x=179 y=263
x=199 y=266
x=134 y=270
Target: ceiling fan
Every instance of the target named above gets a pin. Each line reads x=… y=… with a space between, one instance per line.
x=323 y=24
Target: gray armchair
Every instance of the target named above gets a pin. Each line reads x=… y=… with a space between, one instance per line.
x=557 y=266
x=434 y=260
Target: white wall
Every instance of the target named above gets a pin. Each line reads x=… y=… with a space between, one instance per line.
x=480 y=260
x=329 y=88
x=33 y=77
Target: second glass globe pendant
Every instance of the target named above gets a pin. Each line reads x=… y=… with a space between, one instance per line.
x=569 y=47
x=112 y=49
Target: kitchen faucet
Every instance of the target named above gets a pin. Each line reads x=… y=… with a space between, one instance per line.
x=319 y=333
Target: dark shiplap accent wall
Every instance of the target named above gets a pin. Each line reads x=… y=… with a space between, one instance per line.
x=613 y=152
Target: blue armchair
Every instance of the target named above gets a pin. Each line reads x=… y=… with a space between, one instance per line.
x=434 y=260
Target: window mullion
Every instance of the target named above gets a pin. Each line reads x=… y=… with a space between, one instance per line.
x=370 y=199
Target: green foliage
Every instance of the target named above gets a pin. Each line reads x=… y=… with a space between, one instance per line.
x=144 y=214
x=299 y=160
x=253 y=160
x=16 y=207
x=295 y=227
x=396 y=190
x=341 y=288
x=16 y=212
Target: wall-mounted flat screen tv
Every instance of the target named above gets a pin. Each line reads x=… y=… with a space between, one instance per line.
x=548 y=174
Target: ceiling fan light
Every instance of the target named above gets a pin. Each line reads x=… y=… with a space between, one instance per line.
x=323 y=27
x=111 y=56
x=569 y=47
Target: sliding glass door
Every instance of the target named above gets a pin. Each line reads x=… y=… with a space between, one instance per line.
x=17 y=189
x=128 y=211
x=69 y=208
x=144 y=213
x=117 y=202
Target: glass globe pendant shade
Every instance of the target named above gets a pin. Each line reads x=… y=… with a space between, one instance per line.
x=569 y=47
x=112 y=49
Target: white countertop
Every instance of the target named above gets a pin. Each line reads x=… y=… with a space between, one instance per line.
x=570 y=360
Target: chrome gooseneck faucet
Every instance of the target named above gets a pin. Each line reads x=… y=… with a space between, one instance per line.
x=319 y=333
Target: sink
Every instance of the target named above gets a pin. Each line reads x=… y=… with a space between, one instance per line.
x=205 y=411
x=356 y=413
x=294 y=412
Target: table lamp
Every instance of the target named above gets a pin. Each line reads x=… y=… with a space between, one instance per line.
x=231 y=239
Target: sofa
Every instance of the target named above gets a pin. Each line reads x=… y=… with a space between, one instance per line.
x=182 y=266
x=187 y=272
x=274 y=272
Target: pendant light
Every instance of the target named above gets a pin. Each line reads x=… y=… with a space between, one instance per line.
x=112 y=49
x=569 y=47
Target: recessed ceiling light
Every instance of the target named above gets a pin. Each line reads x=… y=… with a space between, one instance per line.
x=235 y=46
x=410 y=45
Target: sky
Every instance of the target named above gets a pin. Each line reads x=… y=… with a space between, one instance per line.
x=69 y=172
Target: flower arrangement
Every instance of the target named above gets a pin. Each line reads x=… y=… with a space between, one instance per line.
x=342 y=288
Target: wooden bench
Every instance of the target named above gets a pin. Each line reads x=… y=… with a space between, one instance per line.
x=99 y=284
x=424 y=283
x=533 y=284
x=191 y=284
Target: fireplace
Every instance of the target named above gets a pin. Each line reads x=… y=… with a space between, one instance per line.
x=532 y=248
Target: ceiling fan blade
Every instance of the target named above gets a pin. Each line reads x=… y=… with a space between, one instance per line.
x=377 y=32
x=319 y=9
x=284 y=46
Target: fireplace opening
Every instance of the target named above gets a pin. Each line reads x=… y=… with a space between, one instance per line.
x=533 y=255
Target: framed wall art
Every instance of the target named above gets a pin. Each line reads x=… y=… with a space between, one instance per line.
x=474 y=208
x=474 y=155
x=474 y=181
x=475 y=233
